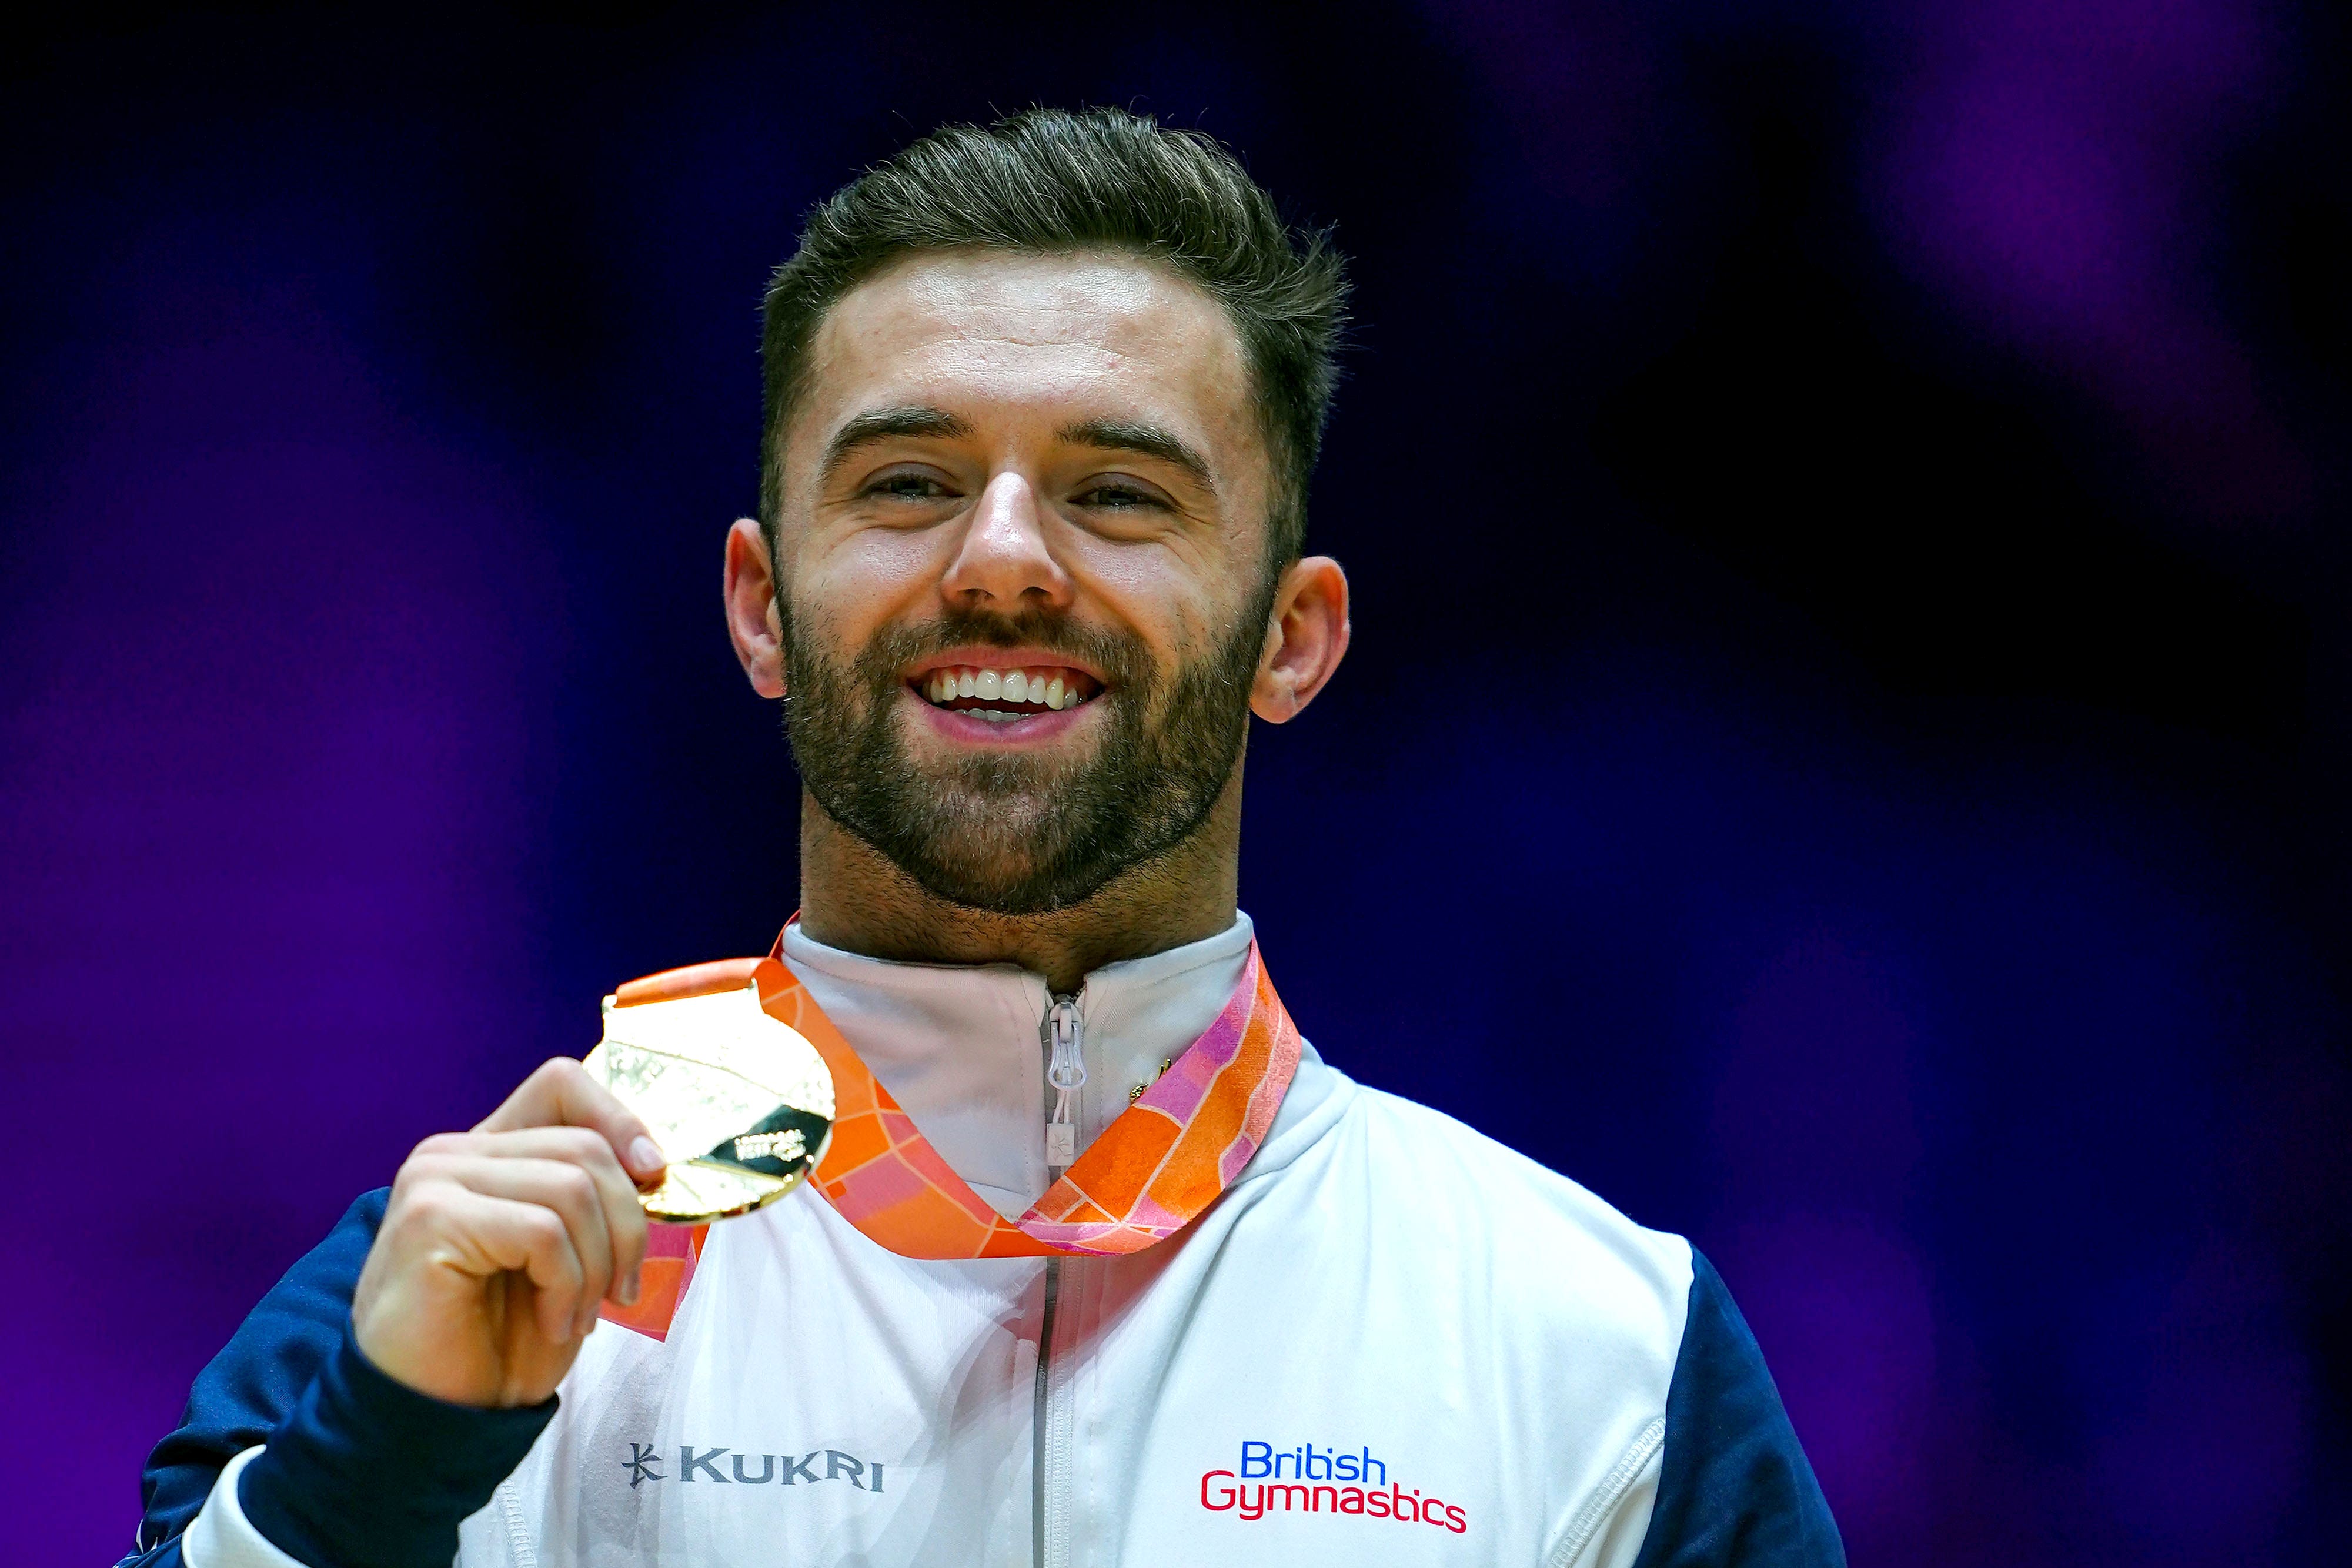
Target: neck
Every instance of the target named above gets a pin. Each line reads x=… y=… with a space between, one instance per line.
x=855 y=899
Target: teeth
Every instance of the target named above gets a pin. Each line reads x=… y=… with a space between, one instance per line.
x=1048 y=689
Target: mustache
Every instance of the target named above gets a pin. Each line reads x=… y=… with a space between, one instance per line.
x=1120 y=656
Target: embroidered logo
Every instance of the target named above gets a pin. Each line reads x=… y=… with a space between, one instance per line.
x=1311 y=1479
x=640 y=1465
x=728 y=1468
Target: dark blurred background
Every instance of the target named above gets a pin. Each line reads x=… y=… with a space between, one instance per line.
x=1846 y=750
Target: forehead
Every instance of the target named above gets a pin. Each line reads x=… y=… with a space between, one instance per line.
x=997 y=337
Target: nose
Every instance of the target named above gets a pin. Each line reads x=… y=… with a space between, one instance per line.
x=1003 y=561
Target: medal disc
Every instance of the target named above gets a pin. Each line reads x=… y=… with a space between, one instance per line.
x=741 y=1104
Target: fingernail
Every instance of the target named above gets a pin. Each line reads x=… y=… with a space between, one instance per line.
x=629 y=1288
x=645 y=1156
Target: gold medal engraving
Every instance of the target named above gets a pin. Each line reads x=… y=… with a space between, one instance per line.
x=741 y=1104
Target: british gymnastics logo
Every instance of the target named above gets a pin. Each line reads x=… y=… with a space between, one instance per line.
x=1309 y=1479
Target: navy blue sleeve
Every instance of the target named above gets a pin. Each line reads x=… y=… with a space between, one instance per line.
x=253 y=1384
x=1734 y=1487
x=359 y=1471
x=369 y=1473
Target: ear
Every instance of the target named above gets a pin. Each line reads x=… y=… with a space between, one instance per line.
x=1304 y=641
x=753 y=623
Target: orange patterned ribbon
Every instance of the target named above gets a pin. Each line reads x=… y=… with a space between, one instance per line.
x=1165 y=1159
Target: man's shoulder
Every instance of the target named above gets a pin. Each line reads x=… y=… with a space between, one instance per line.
x=1478 y=1205
x=1491 y=1183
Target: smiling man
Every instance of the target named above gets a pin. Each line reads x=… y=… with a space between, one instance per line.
x=1105 y=1263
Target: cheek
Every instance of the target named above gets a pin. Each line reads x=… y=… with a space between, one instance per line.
x=1175 y=594
x=1159 y=597
x=852 y=584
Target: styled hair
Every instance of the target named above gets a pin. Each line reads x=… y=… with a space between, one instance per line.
x=1053 y=181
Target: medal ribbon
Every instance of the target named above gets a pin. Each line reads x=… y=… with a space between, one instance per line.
x=1154 y=1170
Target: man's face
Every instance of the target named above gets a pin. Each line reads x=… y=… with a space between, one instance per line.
x=1022 y=558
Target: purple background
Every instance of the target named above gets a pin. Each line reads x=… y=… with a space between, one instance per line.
x=1845 y=751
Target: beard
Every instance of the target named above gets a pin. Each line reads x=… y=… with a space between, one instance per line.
x=1010 y=833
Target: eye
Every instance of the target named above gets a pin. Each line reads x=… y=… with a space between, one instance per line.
x=909 y=484
x=1117 y=495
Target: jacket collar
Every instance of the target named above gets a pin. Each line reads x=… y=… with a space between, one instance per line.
x=961 y=1047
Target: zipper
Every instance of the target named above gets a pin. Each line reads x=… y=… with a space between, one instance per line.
x=1061 y=1033
x=1048 y=1451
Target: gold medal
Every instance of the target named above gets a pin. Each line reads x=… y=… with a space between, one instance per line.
x=716 y=1074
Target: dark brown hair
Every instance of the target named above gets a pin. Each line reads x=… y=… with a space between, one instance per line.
x=1055 y=182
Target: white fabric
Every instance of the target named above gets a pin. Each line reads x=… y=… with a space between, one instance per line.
x=220 y=1536
x=1381 y=1281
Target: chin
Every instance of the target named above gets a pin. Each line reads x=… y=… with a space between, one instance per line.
x=995 y=884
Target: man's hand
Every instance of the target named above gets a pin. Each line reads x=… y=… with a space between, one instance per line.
x=498 y=1243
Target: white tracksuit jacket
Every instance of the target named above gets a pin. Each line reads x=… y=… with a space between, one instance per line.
x=1392 y=1339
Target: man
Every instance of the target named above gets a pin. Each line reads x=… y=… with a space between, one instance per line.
x=1136 y=1277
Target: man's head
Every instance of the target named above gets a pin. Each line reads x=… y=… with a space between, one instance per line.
x=1042 y=400
x=1050 y=182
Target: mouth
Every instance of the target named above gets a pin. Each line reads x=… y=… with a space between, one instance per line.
x=1000 y=696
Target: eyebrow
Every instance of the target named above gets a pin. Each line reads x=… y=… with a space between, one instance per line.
x=883 y=424
x=1149 y=440
x=937 y=424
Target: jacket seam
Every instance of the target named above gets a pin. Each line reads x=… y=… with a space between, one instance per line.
x=1604 y=1497
x=519 y=1542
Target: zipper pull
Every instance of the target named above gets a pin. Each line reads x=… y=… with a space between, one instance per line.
x=1067 y=1072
